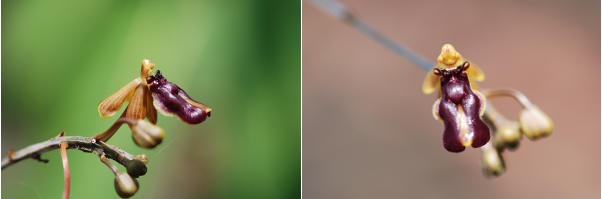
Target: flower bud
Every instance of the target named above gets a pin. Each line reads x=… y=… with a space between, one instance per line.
x=135 y=168
x=508 y=136
x=147 y=135
x=125 y=185
x=143 y=158
x=534 y=123
x=492 y=162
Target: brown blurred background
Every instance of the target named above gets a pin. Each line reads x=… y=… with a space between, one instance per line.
x=368 y=131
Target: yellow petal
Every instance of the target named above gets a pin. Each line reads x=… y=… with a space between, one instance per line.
x=449 y=57
x=137 y=107
x=108 y=107
x=151 y=111
x=475 y=72
x=147 y=68
x=473 y=85
x=431 y=83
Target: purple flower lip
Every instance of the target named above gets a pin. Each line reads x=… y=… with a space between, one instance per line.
x=460 y=108
x=171 y=100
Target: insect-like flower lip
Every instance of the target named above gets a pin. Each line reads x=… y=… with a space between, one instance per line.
x=460 y=107
x=171 y=100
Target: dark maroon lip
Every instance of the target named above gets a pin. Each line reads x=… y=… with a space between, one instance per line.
x=170 y=98
x=456 y=94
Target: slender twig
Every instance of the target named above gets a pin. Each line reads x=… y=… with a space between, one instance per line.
x=340 y=11
x=85 y=144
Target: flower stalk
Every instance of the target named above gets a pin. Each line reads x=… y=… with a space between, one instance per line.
x=67 y=173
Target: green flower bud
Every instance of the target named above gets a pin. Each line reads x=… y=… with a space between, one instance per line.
x=534 y=123
x=125 y=185
x=135 y=168
x=147 y=135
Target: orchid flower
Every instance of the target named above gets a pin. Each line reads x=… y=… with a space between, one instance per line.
x=460 y=108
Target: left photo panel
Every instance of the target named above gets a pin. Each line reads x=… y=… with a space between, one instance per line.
x=137 y=99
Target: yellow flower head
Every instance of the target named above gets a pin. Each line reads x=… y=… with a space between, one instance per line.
x=449 y=59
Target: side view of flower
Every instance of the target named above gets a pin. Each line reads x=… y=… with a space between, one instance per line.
x=146 y=94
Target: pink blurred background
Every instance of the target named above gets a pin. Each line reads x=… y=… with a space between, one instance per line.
x=368 y=131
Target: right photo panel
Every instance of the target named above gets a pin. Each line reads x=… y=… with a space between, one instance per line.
x=438 y=99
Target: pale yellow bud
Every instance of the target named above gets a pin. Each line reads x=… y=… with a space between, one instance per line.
x=508 y=136
x=125 y=185
x=147 y=135
x=142 y=157
x=492 y=162
x=534 y=123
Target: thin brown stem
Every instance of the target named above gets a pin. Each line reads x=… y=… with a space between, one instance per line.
x=495 y=117
x=85 y=144
x=517 y=95
x=111 y=166
x=105 y=136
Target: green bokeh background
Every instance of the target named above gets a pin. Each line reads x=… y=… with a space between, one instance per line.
x=241 y=58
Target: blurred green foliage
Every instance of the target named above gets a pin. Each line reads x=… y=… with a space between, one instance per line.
x=241 y=58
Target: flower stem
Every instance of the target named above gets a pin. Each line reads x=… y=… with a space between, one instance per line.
x=105 y=136
x=64 y=146
x=518 y=96
x=111 y=166
x=84 y=144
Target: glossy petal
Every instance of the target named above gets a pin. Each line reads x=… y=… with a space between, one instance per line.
x=137 y=107
x=460 y=109
x=108 y=107
x=170 y=100
x=183 y=94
